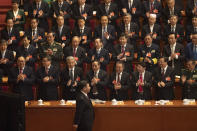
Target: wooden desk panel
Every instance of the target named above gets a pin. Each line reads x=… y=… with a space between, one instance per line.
x=115 y=118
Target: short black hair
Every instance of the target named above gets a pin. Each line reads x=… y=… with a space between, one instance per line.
x=172 y=34
x=165 y=58
x=82 y=84
x=3 y=42
x=143 y=64
x=48 y=57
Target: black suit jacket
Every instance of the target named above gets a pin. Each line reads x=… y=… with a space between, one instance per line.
x=178 y=63
x=93 y=55
x=48 y=90
x=14 y=36
x=6 y=67
x=129 y=54
x=107 y=43
x=80 y=54
x=136 y=4
x=65 y=35
x=112 y=9
x=189 y=8
x=31 y=52
x=167 y=92
x=156 y=30
x=100 y=86
x=22 y=87
x=146 y=88
x=121 y=94
x=40 y=36
x=189 y=30
x=69 y=92
x=43 y=23
x=146 y=8
x=179 y=31
x=84 y=115
x=86 y=33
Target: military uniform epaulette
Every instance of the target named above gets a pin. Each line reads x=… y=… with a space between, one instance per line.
x=58 y=43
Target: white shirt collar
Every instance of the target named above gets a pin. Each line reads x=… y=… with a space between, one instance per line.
x=84 y=93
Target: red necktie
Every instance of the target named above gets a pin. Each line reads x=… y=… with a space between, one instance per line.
x=74 y=52
x=140 y=89
x=151 y=7
x=122 y=49
x=21 y=71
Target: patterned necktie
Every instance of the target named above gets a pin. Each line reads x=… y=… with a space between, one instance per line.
x=74 y=52
x=140 y=89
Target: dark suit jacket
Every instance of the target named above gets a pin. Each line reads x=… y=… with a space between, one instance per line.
x=48 y=90
x=146 y=88
x=21 y=18
x=156 y=30
x=178 y=63
x=189 y=52
x=31 y=51
x=65 y=35
x=121 y=94
x=14 y=36
x=129 y=54
x=86 y=33
x=56 y=9
x=84 y=115
x=179 y=31
x=167 y=92
x=166 y=13
x=112 y=9
x=190 y=6
x=69 y=92
x=87 y=10
x=146 y=8
x=103 y=54
x=80 y=54
x=43 y=23
x=6 y=67
x=22 y=87
x=40 y=36
x=107 y=43
x=189 y=30
x=102 y=75
x=136 y=4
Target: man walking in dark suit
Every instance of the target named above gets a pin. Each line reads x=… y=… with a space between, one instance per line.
x=84 y=115
x=141 y=83
x=164 y=81
x=22 y=78
x=98 y=79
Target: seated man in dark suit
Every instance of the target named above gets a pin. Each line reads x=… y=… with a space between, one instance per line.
x=124 y=52
x=173 y=27
x=47 y=78
x=84 y=32
x=81 y=9
x=151 y=7
x=119 y=83
x=84 y=115
x=40 y=9
x=175 y=53
x=22 y=78
x=62 y=32
x=130 y=29
x=191 y=29
x=6 y=58
x=11 y=35
x=164 y=81
x=191 y=49
x=70 y=77
x=106 y=32
x=28 y=51
x=152 y=28
x=141 y=83
x=60 y=8
x=149 y=53
x=98 y=80
x=132 y=7
x=35 y=33
x=76 y=51
x=189 y=81
x=99 y=54
x=109 y=9
x=17 y=15
x=191 y=10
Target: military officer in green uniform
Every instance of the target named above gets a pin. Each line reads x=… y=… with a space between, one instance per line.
x=149 y=53
x=189 y=81
x=51 y=48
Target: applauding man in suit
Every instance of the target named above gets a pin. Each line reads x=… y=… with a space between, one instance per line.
x=84 y=115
